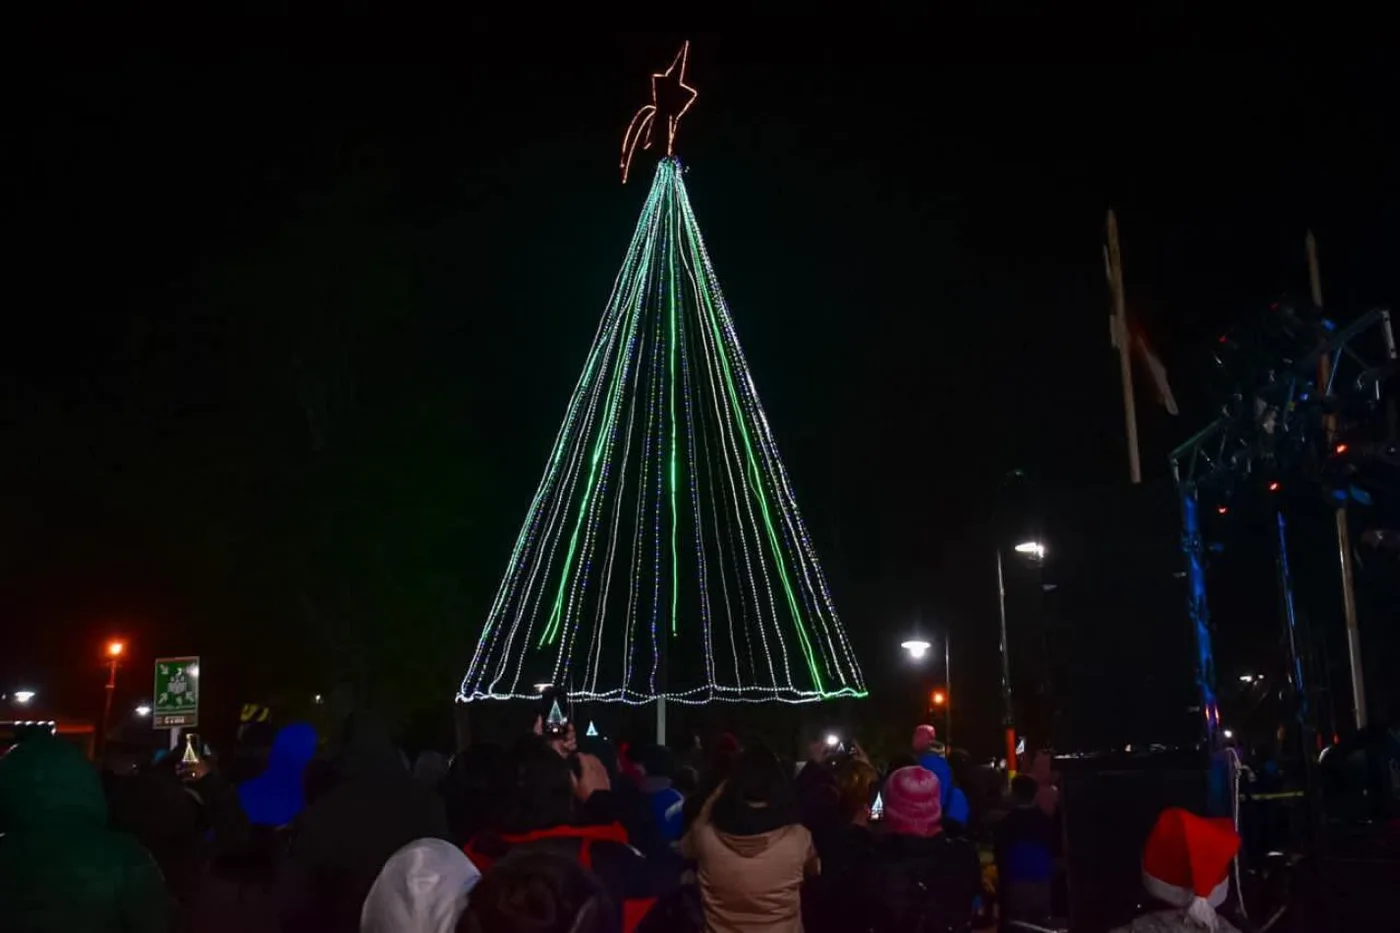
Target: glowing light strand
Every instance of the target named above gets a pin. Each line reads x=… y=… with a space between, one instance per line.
x=791 y=515
x=664 y=441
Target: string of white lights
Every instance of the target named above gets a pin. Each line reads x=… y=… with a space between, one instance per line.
x=663 y=553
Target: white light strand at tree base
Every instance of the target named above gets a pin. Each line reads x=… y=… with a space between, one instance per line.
x=663 y=554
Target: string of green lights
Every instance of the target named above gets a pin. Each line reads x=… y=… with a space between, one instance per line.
x=664 y=441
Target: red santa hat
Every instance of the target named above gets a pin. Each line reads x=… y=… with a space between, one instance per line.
x=1186 y=862
x=924 y=737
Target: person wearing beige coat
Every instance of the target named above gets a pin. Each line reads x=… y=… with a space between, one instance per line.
x=751 y=852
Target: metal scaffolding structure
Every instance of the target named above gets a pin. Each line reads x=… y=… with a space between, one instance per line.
x=1280 y=429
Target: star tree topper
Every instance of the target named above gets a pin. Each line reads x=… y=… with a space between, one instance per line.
x=671 y=97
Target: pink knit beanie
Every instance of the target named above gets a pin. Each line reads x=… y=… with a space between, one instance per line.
x=913 y=802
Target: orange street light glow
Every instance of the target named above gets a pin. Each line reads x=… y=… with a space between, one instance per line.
x=115 y=648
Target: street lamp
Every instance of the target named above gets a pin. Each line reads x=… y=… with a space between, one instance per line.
x=115 y=647
x=143 y=711
x=22 y=697
x=918 y=649
x=1035 y=551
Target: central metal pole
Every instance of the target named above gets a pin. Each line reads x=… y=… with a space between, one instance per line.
x=1008 y=719
x=660 y=720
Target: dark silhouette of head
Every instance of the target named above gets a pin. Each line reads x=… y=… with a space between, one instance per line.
x=687 y=780
x=855 y=783
x=539 y=892
x=541 y=789
x=1023 y=790
x=478 y=779
x=758 y=781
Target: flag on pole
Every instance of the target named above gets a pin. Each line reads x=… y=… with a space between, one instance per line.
x=1137 y=342
x=1155 y=371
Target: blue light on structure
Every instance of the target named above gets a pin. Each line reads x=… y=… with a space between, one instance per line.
x=1291 y=618
x=1194 y=549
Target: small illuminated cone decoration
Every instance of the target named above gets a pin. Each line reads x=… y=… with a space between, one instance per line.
x=664 y=554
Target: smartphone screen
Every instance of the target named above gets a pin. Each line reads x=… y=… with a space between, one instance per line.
x=555 y=712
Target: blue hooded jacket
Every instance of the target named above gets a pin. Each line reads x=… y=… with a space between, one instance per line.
x=275 y=797
x=954 y=800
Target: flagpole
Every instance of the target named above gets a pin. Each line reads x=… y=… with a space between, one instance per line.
x=1118 y=326
x=1324 y=386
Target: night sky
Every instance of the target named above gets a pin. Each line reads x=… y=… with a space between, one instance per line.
x=292 y=323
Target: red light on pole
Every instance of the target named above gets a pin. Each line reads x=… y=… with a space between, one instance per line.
x=1341 y=449
x=1275 y=486
x=1222 y=509
x=938 y=697
x=115 y=649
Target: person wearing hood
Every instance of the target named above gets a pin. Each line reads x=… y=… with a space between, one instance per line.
x=61 y=868
x=751 y=850
x=954 y=801
x=275 y=797
x=342 y=840
x=423 y=888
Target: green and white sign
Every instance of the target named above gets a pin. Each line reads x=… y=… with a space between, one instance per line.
x=176 y=693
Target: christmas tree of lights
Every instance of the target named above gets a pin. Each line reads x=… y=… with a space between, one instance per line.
x=663 y=554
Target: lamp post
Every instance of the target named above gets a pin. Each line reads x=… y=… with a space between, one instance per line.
x=918 y=649
x=1033 y=550
x=114 y=653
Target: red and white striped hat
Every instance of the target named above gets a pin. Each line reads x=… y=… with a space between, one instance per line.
x=1186 y=862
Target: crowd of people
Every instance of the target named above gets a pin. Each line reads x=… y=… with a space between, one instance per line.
x=551 y=833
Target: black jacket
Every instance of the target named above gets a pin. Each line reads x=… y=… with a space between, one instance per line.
x=909 y=884
x=341 y=841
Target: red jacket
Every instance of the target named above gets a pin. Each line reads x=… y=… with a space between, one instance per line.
x=603 y=850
